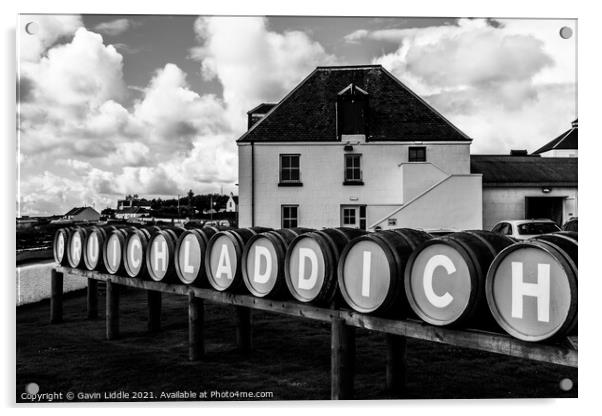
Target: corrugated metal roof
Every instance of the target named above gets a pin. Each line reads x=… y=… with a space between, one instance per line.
x=308 y=112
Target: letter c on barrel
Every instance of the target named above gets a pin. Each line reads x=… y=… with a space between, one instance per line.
x=438 y=260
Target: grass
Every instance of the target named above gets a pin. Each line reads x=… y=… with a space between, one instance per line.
x=291 y=358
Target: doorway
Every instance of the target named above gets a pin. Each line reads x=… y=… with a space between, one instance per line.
x=550 y=207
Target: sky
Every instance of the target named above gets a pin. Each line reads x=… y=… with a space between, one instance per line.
x=110 y=105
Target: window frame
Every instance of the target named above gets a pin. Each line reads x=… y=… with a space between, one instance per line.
x=283 y=219
x=289 y=182
x=412 y=155
x=352 y=181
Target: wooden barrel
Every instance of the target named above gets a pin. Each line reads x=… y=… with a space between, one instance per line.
x=531 y=287
x=134 y=251
x=310 y=264
x=190 y=255
x=224 y=257
x=160 y=254
x=263 y=261
x=371 y=267
x=59 y=245
x=112 y=251
x=93 y=247
x=75 y=245
x=445 y=277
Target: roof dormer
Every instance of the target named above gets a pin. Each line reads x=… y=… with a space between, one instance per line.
x=352 y=111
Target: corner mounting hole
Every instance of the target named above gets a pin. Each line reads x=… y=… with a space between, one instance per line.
x=31 y=28
x=566 y=32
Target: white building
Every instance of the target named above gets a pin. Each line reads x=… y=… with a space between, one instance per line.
x=542 y=185
x=232 y=203
x=353 y=146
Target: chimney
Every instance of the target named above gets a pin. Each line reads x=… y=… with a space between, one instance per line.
x=574 y=124
x=259 y=112
x=521 y=152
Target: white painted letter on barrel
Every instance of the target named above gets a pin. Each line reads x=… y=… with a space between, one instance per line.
x=539 y=290
x=114 y=260
x=134 y=248
x=366 y=274
x=262 y=252
x=439 y=260
x=310 y=282
x=76 y=247
x=187 y=266
x=223 y=264
x=93 y=247
x=160 y=247
x=61 y=246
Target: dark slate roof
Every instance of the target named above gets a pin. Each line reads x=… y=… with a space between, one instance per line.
x=395 y=113
x=567 y=140
x=523 y=171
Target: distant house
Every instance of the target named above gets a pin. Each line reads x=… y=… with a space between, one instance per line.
x=25 y=223
x=133 y=201
x=232 y=203
x=81 y=214
x=565 y=145
x=131 y=212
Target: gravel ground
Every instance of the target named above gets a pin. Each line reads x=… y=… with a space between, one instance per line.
x=290 y=360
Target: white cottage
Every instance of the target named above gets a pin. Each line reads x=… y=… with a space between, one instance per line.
x=352 y=146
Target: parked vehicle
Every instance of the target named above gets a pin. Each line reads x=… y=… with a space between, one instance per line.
x=524 y=229
x=570 y=225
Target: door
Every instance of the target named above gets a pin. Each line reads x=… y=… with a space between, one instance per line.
x=550 y=207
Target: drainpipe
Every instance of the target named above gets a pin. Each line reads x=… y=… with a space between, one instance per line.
x=252 y=184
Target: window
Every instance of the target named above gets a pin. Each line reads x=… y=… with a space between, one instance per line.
x=349 y=216
x=290 y=172
x=290 y=216
x=353 y=170
x=353 y=216
x=417 y=154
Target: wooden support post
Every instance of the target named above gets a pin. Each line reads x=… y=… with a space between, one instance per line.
x=396 y=363
x=92 y=299
x=154 y=310
x=342 y=360
x=56 y=297
x=196 y=335
x=112 y=310
x=243 y=329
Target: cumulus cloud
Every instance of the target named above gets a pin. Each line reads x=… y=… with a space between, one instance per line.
x=495 y=80
x=50 y=30
x=252 y=63
x=113 y=27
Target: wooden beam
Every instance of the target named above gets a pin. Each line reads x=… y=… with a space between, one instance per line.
x=244 y=329
x=561 y=354
x=342 y=360
x=154 y=310
x=92 y=299
x=196 y=335
x=396 y=363
x=112 y=310
x=56 y=297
